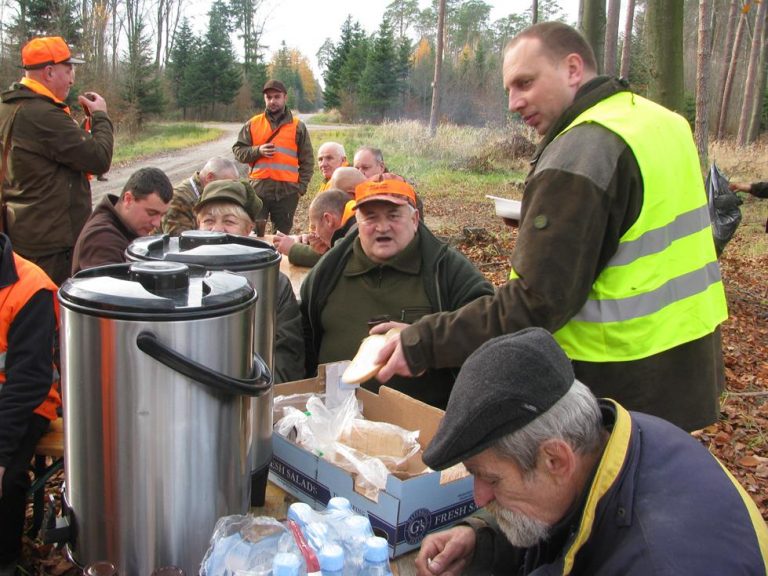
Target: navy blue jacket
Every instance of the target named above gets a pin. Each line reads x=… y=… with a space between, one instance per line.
x=659 y=504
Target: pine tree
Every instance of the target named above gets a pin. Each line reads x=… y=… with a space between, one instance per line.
x=181 y=68
x=339 y=55
x=217 y=62
x=141 y=88
x=378 y=87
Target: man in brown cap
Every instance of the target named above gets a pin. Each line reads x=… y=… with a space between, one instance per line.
x=278 y=149
x=574 y=485
x=47 y=157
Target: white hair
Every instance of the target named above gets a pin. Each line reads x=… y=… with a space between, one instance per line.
x=575 y=419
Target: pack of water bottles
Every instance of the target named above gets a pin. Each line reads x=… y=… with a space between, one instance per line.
x=334 y=542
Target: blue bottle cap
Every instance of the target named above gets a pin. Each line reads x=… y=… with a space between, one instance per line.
x=376 y=550
x=339 y=503
x=358 y=524
x=332 y=558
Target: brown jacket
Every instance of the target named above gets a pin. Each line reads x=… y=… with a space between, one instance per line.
x=104 y=237
x=47 y=189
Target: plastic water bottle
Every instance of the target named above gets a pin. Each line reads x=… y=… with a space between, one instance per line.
x=339 y=504
x=332 y=560
x=311 y=525
x=354 y=531
x=301 y=513
x=376 y=558
x=286 y=564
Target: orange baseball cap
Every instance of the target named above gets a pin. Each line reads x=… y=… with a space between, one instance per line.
x=392 y=191
x=46 y=50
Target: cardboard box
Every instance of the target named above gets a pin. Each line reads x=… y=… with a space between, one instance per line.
x=406 y=510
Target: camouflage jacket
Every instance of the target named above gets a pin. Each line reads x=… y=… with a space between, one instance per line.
x=181 y=210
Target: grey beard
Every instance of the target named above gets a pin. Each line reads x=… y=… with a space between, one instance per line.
x=521 y=531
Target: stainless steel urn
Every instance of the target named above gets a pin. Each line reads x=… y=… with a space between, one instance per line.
x=259 y=263
x=159 y=379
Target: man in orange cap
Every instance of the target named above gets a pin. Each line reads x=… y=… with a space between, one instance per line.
x=47 y=157
x=391 y=268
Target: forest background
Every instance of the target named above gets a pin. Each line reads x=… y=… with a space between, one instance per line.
x=145 y=58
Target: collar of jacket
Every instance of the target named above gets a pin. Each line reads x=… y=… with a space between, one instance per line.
x=8 y=274
x=43 y=90
x=282 y=117
x=617 y=452
x=408 y=261
x=588 y=95
x=110 y=203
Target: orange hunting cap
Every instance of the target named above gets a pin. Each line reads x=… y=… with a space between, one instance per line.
x=45 y=50
x=392 y=191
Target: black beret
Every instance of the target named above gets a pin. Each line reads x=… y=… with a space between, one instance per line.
x=505 y=384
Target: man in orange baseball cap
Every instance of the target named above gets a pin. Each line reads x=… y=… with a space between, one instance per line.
x=46 y=50
x=47 y=196
x=391 y=268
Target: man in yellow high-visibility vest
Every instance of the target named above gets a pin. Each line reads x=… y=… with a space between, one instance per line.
x=614 y=256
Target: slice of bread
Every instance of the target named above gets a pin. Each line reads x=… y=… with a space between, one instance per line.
x=363 y=366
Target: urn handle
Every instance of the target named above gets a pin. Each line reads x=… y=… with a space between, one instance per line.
x=257 y=384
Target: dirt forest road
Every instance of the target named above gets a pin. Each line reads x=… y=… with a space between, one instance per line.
x=182 y=164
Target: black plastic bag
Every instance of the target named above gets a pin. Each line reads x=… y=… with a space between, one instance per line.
x=724 y=211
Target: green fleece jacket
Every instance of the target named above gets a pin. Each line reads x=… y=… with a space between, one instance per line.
x=440 y=279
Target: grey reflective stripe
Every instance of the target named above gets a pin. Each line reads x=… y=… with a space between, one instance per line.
x=2 y=361
x=194 y=187
x=287 y=151
x=674 y=290
x=272 y=166
x=655 y=241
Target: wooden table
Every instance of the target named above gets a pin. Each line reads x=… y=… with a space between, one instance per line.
x=276 y=505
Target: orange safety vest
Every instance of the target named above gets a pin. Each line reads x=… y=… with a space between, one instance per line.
x=284 y=165
x=12 y=299
x=349 y=211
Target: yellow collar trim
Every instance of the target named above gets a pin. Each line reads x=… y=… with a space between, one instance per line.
x=608 y=471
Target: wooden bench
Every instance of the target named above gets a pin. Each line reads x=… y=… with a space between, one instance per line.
x=51 y=445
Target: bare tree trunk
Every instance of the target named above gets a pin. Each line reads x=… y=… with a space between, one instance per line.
x=728 y=87
x=593 y=28
x=115 y=29
x=161 y=16
x=435 y=111
x=757 y=113
x=730 y=35
x=752 y=75
x=703 y=59
x=626 y=49
x=664 y=30
x=171 y=26
x=611 y=37
x=534 y=11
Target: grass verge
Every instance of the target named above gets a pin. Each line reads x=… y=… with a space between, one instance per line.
x=161 y=137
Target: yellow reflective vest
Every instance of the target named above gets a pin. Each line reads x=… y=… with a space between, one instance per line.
x=283 y=166
x=662 y=287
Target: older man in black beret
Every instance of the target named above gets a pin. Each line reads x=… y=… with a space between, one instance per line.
x=575 y=485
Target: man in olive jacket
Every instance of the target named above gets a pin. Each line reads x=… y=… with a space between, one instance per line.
x=278 y=149
x=390 y=268
x=614 y=254
x=50 y=158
